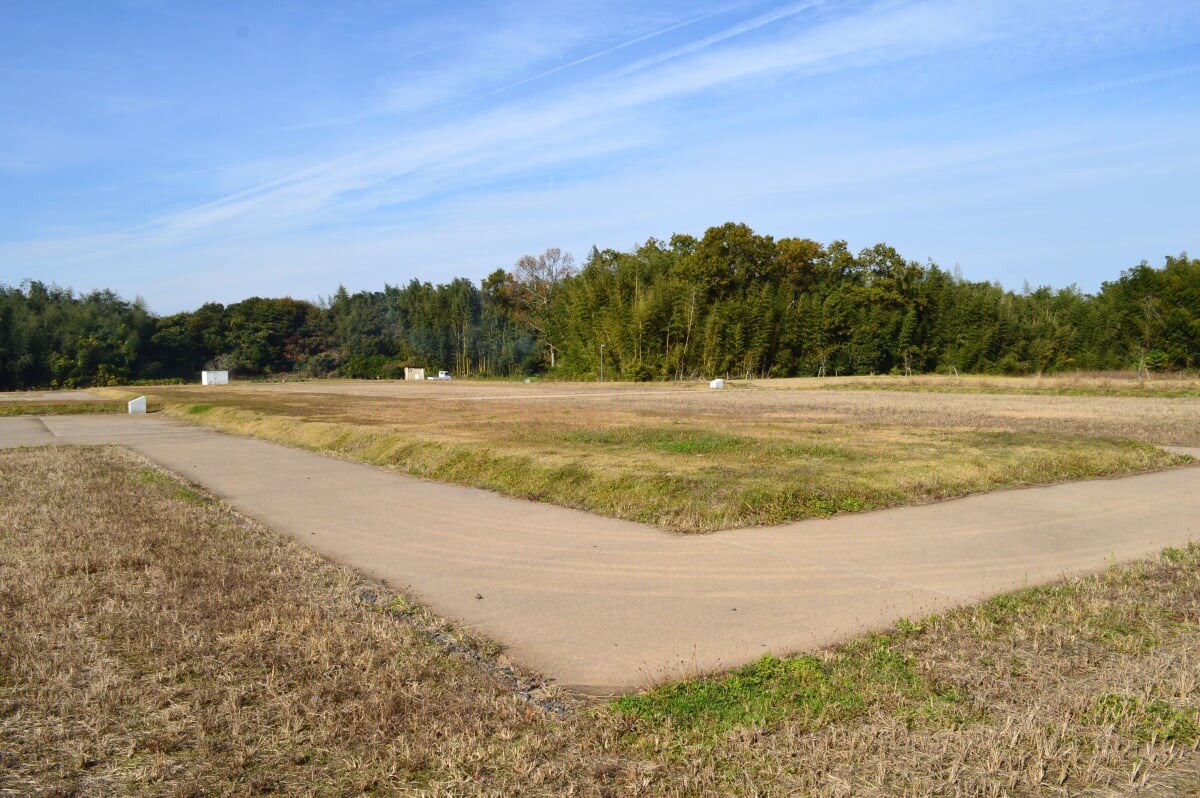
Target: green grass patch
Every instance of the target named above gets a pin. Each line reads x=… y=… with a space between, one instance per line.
x=1146 y=720
x=755 y=695
x=672 y=441
x=810 y=692
x=703 y=444
x=169 y=485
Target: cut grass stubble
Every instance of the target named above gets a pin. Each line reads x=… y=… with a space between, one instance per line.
x=151 y=642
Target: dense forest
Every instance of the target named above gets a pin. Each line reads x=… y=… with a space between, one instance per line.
x=732 y=303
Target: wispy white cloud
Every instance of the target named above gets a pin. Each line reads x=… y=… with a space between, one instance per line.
x=704 y=43
x=523 y=137
x=624 y=45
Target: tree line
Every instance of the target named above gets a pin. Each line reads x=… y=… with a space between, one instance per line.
x=730 y=303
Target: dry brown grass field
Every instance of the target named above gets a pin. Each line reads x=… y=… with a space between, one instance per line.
x=690 y=459
x=152 y=642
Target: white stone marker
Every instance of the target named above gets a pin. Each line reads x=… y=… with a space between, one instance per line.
x=717 y=385
x=138 y=405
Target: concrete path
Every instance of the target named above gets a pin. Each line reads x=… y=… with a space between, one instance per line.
x=606 y=606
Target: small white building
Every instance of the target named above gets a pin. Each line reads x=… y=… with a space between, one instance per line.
x=411 y=373
x=214 y=378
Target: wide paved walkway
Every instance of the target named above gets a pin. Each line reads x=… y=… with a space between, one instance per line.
x=605 y=605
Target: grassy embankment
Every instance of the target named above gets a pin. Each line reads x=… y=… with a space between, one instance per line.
x=683 y=460
x=27 y=408
x=153 y=643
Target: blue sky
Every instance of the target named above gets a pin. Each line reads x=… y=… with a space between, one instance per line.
x=189 y=152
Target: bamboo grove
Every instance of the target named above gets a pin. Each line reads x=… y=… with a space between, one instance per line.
x=731 y=303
